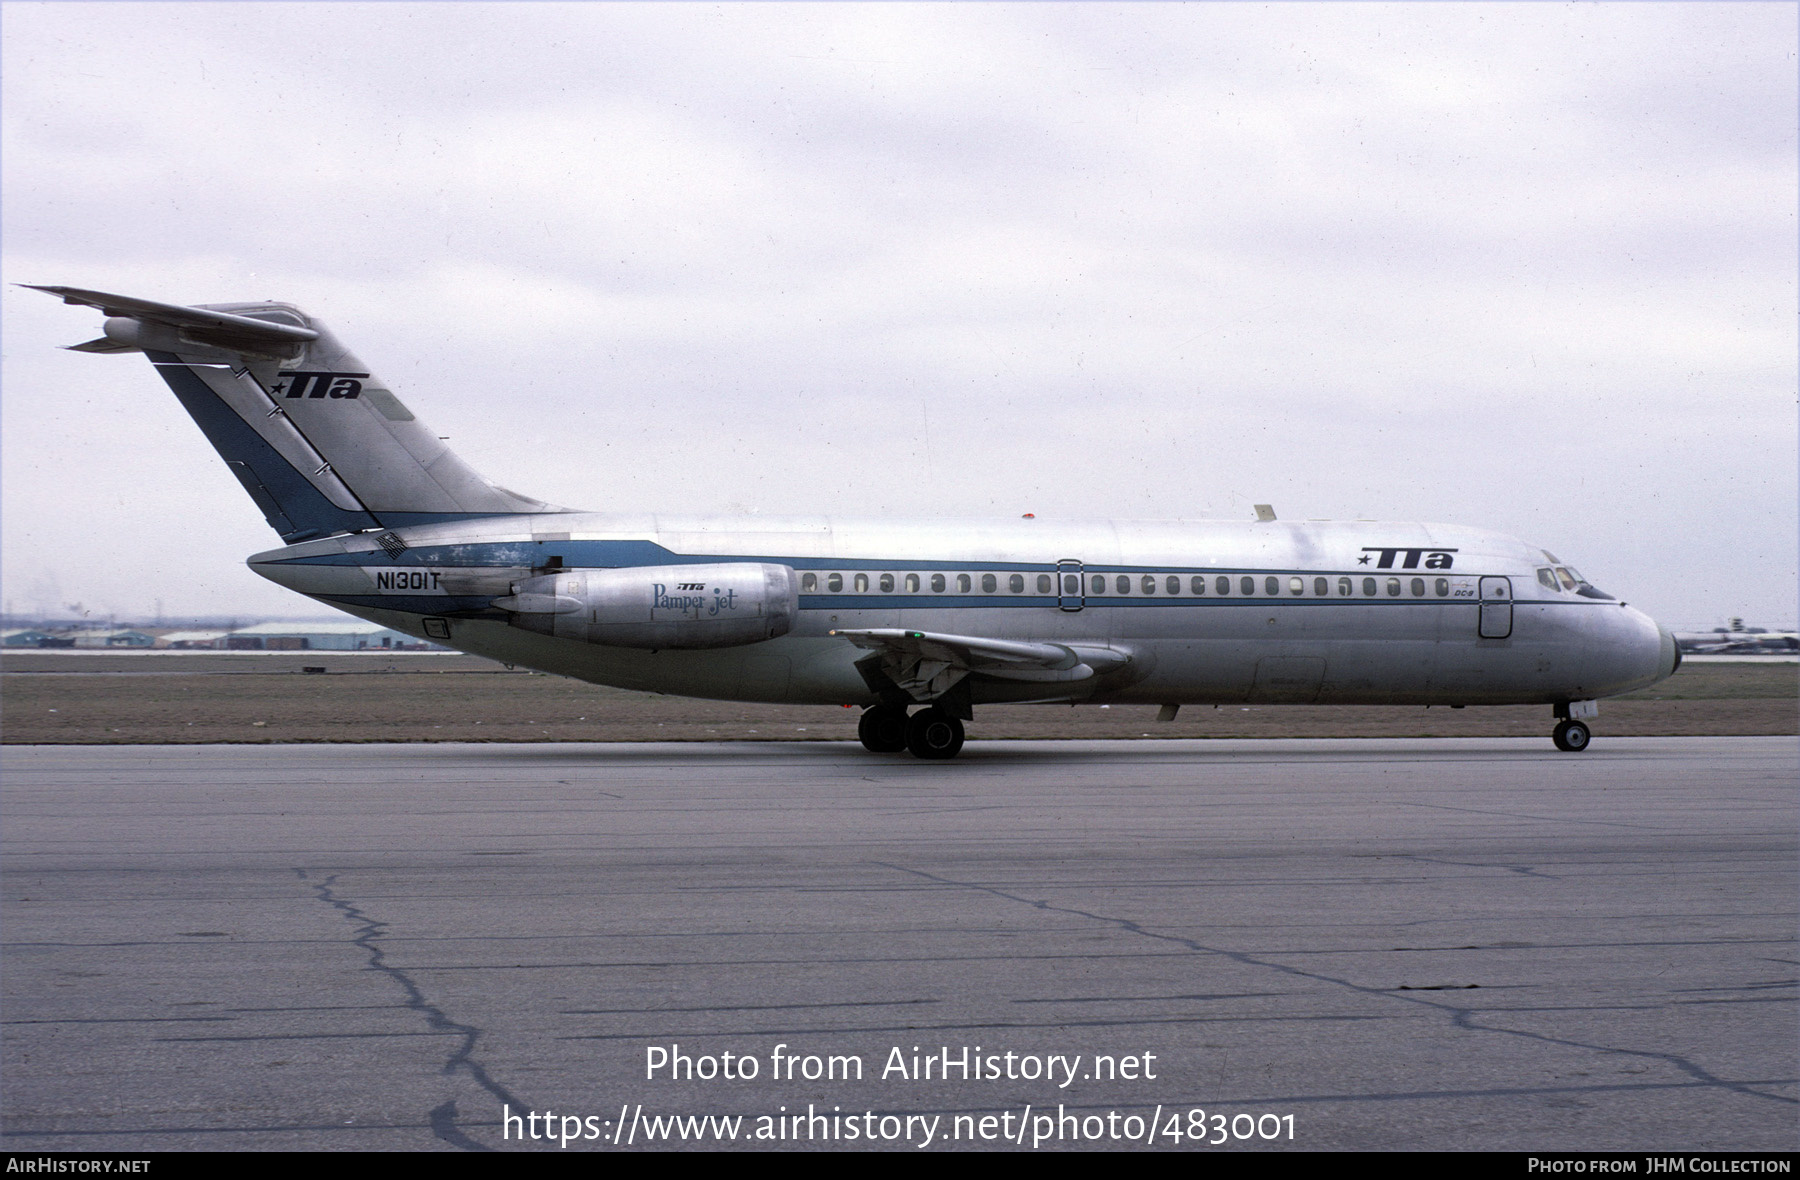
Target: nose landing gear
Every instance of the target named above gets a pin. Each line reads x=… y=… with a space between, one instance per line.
x=1571 y=736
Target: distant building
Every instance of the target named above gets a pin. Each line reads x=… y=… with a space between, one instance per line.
x=25 y=638
x=192 y=640
x=111 y=639
x=333 y=636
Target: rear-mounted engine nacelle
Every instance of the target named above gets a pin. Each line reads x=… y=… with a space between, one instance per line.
x=680 y=606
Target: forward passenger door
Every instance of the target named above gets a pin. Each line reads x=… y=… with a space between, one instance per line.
x=1496 y=608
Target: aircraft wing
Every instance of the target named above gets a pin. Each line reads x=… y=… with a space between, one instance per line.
x=926 y=664
x=206 y=326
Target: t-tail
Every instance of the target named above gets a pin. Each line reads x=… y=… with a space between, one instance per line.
x=320 y=444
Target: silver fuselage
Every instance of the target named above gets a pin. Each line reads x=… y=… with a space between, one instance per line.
x=1197 y=612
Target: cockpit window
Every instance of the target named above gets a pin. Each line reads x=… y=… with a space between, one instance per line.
x=1567 y=579
x=1547 y=576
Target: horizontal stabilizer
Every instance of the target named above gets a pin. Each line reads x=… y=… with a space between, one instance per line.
x=104 y=344
x=218 y=328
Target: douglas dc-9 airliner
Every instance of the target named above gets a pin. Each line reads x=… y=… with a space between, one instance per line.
x=916 y=622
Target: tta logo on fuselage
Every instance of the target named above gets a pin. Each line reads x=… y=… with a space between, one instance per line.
x=318 y=383
x=1435 y=559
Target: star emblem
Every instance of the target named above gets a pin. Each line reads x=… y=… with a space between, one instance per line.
x=1363 y=560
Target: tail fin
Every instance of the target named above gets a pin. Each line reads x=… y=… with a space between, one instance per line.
x=320 y=445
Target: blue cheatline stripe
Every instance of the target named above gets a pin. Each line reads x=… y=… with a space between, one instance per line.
x=412 y=604
x=422 y=605
x=954 y=601
x=622 y=554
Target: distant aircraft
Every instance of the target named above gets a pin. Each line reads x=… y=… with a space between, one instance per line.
x=915 y=622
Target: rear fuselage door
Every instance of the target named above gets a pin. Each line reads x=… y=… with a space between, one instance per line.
x=1069 y=589
x=1496 y=608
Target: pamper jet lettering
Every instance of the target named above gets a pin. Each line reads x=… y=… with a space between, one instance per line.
x=692 y=604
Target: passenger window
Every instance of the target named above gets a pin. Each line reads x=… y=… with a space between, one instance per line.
x=1016 y=583
x=963 y=584
x=1044 y=583
x=1149 y=583
x=834 y=582
x=1247 y=584
x=809 y=583
x=1296 y=585
x=1321 y=587
x=1368 y=587
x=1443 y=587
x=1418 y=587
x=887 y=583
x=1344 y=590
x=989 y=583
x=1197 y=585
x=912 y=583
x=1271 y=585
x=1547 y=577
x=1222 y=584
x=1099 y=584
x=1122 y=584
x=1071 y=584
x=1172 y=584
x=1393 y=587
x=862 y=583
x=937 y=583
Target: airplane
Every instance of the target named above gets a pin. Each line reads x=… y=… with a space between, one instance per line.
x=916 y=623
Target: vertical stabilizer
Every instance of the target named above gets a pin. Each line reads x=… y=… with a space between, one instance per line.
x=320 y=444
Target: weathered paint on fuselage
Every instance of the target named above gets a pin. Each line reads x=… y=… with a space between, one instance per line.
x=1416 y=639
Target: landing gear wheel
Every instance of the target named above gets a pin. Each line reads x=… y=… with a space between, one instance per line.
x=882 y=730
x=933 y=733
x=1572 y=736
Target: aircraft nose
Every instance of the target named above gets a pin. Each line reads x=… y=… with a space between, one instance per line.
x=1671 y=654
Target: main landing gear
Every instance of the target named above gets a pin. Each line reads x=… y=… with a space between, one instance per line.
x=882 y=730
x=929 y=733
x=1571 y=736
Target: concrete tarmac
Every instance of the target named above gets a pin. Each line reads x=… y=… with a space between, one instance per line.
x=1379 y=944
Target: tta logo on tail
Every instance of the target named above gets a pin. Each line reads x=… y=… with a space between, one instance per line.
x=317 y=383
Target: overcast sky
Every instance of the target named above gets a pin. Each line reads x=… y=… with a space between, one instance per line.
x=1527 y=267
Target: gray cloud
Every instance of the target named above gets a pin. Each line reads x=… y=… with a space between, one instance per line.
x=1515 y=265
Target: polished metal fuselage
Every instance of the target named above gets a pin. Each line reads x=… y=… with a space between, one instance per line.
x=1311 y=612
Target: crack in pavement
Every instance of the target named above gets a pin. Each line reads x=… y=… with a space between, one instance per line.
x=368 y=933
x=1462 y=1018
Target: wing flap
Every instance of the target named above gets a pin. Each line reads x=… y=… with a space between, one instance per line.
x=926 y=664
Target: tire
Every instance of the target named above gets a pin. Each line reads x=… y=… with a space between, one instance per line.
x=934 y=734
x=882 y=730
x=1571 y=736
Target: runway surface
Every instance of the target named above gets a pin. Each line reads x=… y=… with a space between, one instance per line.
x=1331 y=944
